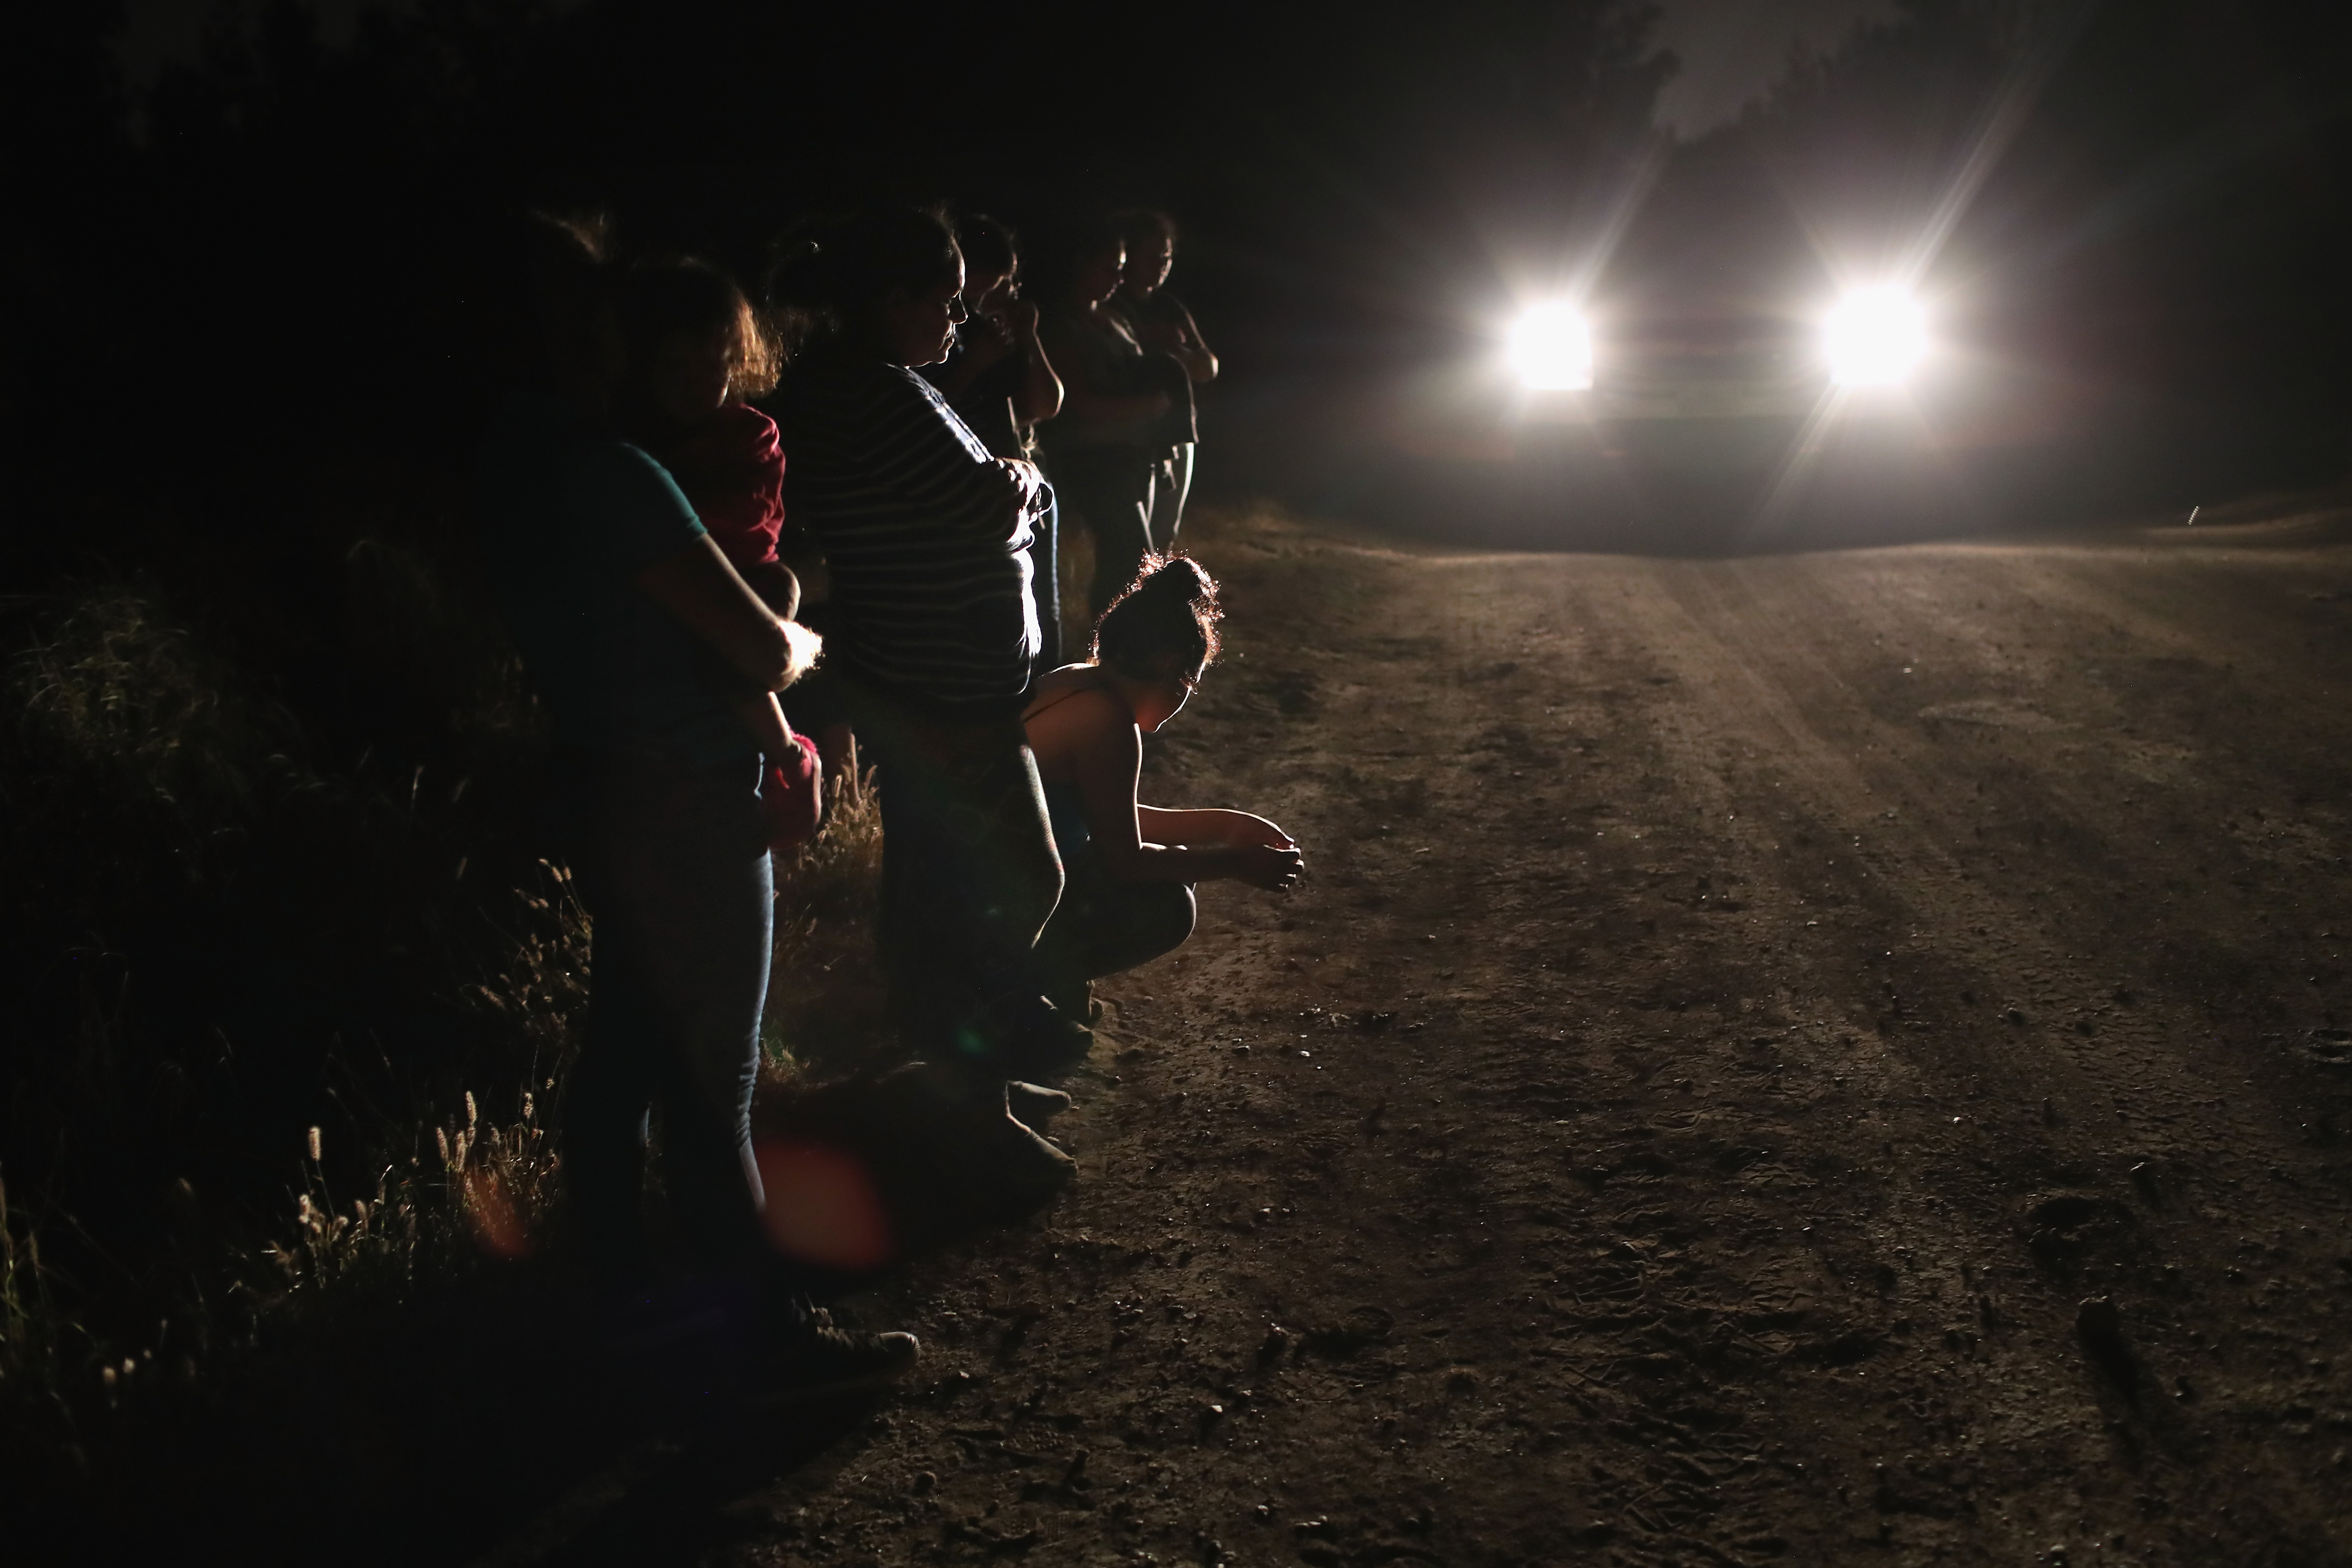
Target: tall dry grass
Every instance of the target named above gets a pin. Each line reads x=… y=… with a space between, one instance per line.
x=217 y=1175
x=825 y=1006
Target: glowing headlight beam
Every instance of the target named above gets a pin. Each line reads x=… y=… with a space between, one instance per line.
x=1875 y=337
x=1551 y=348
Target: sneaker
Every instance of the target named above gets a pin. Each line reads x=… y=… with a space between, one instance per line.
x=831 y=1362
x=1033 y=1105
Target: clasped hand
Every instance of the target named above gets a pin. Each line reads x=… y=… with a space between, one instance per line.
x=1266 y=856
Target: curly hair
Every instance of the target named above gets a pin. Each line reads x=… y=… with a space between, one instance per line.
x=1163 y=625
x=686 y=294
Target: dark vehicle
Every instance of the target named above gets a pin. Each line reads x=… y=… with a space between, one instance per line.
x=1701 y=418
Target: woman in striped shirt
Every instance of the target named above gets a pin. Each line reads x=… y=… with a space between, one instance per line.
x=926 y=536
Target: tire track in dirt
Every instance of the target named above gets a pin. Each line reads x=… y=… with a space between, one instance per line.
x=1966 y=923
x=1541 y=1186
x=1863 y=786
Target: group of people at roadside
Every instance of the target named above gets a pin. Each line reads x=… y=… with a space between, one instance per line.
x=719 y=601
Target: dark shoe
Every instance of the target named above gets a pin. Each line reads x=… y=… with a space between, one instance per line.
x=1041 y=1041
x=966 y=1133
x=831 y=1362
x=1033 y=1105
x=647 y=1322
x=989 y=1147
x=1077 y=1003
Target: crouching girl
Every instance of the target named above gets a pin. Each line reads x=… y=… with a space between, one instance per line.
x=1128 y=868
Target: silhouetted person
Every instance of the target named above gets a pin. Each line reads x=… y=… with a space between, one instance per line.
x=1128 y=868
x=925 y=535
x=618 y=598
x=1163 y=327
x=1104 y=448
x=1000 y=382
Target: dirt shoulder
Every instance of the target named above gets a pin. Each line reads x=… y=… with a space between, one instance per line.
x=1742 y=1011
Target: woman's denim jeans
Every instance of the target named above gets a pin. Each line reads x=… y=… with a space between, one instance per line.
x=672 y=865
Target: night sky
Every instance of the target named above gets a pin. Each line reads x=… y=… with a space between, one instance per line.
x=1731 y=50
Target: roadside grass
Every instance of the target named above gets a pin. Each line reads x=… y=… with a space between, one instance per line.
x=296 y=989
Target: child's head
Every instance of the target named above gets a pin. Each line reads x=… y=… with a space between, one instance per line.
x=1161 y=633
x=991 y=258
x=1151 y=236
x=694 y=340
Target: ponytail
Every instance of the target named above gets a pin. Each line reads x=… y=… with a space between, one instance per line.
x=1164 y=625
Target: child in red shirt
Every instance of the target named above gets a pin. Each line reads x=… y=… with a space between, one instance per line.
x=696 y=351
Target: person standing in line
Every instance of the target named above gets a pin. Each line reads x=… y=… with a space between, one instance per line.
x=1000 y=383
x=619 y=604
x=1164 y=329
x=926 y=535
x=1104 y=449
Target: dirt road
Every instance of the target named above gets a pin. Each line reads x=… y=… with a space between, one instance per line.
x=1742 y=1012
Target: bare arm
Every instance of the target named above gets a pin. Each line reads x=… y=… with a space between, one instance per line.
x=1108 y=763
x=696 y=585
x=1040 y=397
x=778 y=587
x=1211 y=826
x=1193 y=353
x=1180 y=341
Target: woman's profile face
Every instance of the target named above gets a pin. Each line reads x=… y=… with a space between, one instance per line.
x=1098 y=275
x=1147 y=264
x=985 y=292
x=919 y=328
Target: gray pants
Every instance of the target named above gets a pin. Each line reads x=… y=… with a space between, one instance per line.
x=1171 y=486
x=1110 y=490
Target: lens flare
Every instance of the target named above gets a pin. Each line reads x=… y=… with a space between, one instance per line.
x=821 y=1206
x=491 y=1211
x=1875 y=337
x=1551 y=348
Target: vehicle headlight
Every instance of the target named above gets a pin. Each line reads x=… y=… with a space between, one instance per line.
x=1875 y=337
x=1551 y=348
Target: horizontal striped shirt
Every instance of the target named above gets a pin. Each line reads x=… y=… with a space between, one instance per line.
x=930 y=566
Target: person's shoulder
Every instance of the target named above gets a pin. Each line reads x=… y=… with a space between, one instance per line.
x=740 y=425
x=906 y=378
x=865 y=388
x=611 y=457
x=827 y=376
x=626 y=487
x=1080 y=697
x=747 y=436
x=1064 y=676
